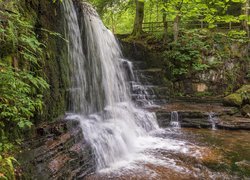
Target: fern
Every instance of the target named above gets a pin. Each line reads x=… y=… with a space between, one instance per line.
x=21 y=87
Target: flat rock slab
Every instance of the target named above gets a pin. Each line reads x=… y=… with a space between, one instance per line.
x=201 y=115
x=197 y=107
x=234 y=123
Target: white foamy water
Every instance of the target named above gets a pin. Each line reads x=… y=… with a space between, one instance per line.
x=119 y=133
x=175 y=120
x=212 y=119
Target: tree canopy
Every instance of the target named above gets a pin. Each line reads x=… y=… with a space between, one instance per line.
x=120 y=15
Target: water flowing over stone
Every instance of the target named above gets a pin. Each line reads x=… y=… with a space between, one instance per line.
x=100 y=97
x=212 y=119
x=175 y=119
x=77 y=59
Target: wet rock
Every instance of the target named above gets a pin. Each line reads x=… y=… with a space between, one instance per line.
x=57 y=151
x=233 y=123
x=196 y=122
x=197 y=115
x=186 y=119
x=198 y=100
x=246 y=110
x=233 y=100
x=163 y=118
x=151 y=76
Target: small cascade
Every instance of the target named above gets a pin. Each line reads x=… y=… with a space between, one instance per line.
x=212 y=119
x=175 y=120
x=128 y=66
x=142 y=95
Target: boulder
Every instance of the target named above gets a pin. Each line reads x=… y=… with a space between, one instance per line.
x=234 y=99
x=239 y=98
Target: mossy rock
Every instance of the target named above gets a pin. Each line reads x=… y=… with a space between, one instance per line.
x=239 y=98
x=244 y=89
x=245 y=110
x=234 y=99
x=245 y=94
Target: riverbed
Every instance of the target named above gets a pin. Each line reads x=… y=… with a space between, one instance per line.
x=185 y=153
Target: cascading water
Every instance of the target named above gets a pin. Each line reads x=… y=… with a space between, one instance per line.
x=141 y=95
x=77 y=60
x=175 y=120
x=212 y=119
x=122 y=136
x=100 y=97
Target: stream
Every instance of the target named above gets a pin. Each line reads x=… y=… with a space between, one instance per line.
x=186 y=154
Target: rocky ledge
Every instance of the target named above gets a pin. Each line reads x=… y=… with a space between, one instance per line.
x=199 y=115
x=57 y=151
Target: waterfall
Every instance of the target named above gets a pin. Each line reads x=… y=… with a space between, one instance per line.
x=175 y=120
x=99 y=95
x=77 y=59
x=212 y=119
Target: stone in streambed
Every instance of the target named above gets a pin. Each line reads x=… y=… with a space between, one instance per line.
x=233 y=123
x=246 y=110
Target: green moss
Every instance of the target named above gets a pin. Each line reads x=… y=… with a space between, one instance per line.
x=234 y=99
x=7 y=60
x=239 y=98
x=244 y=89
x=203 y=94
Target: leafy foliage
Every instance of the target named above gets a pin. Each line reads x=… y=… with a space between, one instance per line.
x=7 y=169
x=201 y=52
x=185 y=57
x=21 y=86
x=118 y=15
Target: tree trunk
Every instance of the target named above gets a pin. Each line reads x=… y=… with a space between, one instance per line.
x=176 y=27
x=246 y=13
x=165 y=24
x=15 y=63
x=137 y=31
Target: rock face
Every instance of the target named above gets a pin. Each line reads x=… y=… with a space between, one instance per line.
x=57 y=151
x=200 y=109
x=137 y=52
x=149 y=81
x=198 y=115
x=220 y=76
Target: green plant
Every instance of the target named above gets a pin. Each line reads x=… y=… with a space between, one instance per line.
x=21 y=84
x=7 y=168
x=203 y=94
x=186 y=57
